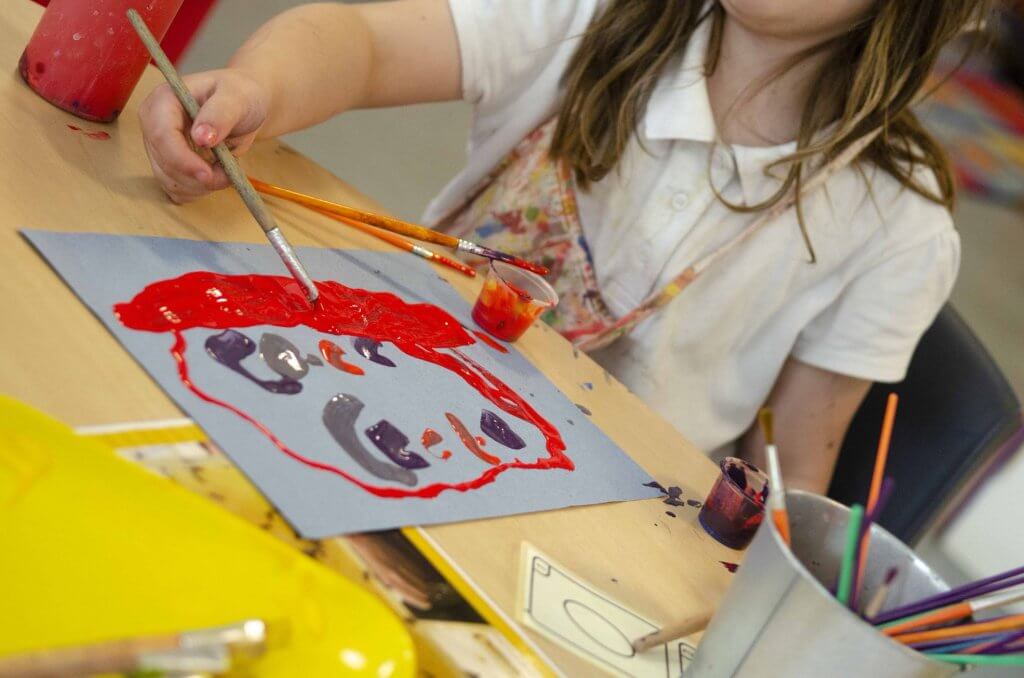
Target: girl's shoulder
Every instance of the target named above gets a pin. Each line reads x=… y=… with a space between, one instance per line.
x=868 y=199
x=506 y=44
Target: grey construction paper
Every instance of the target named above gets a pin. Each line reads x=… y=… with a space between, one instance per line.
x=107 y=269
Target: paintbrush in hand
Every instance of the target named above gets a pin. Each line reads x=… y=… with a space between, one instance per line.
x=234 y=172
x=396 y=226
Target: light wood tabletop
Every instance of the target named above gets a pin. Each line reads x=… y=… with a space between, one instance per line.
x=59 y=358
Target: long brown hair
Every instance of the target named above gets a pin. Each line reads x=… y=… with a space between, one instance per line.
x=870 y=76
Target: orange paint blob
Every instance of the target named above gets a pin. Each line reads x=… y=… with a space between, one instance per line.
x=333 y=353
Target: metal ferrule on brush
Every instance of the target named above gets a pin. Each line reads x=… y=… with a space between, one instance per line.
x=295 y=267
x=422 y=252
x=472 y=248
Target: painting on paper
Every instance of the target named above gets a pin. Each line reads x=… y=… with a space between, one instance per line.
x=381 y=406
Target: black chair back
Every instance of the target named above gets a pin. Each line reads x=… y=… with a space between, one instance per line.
x=956 y=411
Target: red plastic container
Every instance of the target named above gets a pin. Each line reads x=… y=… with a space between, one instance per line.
x=84 y=56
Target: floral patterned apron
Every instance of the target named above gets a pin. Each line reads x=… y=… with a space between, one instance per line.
x=526 y=207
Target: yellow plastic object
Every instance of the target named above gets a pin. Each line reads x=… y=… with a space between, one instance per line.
x=93 y=548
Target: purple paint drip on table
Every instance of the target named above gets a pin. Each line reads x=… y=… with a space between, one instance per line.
x=231 y=347
x=497 y=429
x=392 y=443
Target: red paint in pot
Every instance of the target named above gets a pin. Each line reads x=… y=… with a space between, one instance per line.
x=85 y=57
x=734 y=508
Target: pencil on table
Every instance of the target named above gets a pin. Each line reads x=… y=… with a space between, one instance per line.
x=670 y=632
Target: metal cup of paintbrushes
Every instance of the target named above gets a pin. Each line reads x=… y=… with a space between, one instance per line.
x=779 y=619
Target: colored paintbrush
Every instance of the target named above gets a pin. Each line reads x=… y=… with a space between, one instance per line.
x=881 y=457
x=400 y=243
x=396 y=226
x=249 y=196
x=870 y=518
x=980 y=660
x=202 y=651
x=999 y=645
x=670 y=632
x=955 y=611
x=849 y=554
x=1008 y=623
x=878 y=600
x=990 y=584
x=777 y=496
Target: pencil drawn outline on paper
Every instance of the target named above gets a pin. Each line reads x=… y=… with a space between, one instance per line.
x=539 y=564
x=586 y=632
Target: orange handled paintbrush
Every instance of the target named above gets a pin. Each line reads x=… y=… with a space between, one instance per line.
x=395 y=226
x=400 y=243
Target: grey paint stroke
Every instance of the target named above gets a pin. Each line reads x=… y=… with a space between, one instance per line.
x=340 y=414
x=231 y=347
x=282 y=356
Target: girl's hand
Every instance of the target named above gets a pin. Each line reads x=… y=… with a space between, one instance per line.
x=232 y=108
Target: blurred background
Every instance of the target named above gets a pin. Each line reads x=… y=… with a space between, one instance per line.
x=402 y=157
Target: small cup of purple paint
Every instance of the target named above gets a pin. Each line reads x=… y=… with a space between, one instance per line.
x=734 y=508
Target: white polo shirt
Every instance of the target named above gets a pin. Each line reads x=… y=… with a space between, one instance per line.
x=887 y=258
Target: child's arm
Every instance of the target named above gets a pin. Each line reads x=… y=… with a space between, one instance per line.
x=811 y=409
x=301 y=68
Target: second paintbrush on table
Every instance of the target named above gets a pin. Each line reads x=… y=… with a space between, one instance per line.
x=395 y=226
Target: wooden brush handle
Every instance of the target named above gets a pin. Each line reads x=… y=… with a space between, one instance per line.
x=670 y=632
x=231 y=167
x=120 y=656
x=379 y=220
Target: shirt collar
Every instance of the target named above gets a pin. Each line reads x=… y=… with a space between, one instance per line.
x=679 y=108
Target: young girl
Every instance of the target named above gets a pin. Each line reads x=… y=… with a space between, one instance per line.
x=649 y=152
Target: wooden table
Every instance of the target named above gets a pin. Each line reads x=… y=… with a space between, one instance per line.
x=55 y=178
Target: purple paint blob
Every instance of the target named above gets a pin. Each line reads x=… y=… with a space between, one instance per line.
x=732 y=567
x=669 y=513
x=231 y=347
x=674 y=496
x=694 y=503
x=497 y=429
x=584 y=410
x=392 y=443
x=370 y=349
x=340 y=414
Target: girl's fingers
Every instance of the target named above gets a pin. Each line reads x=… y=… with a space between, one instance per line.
x=163 y=123
x=179 y=187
